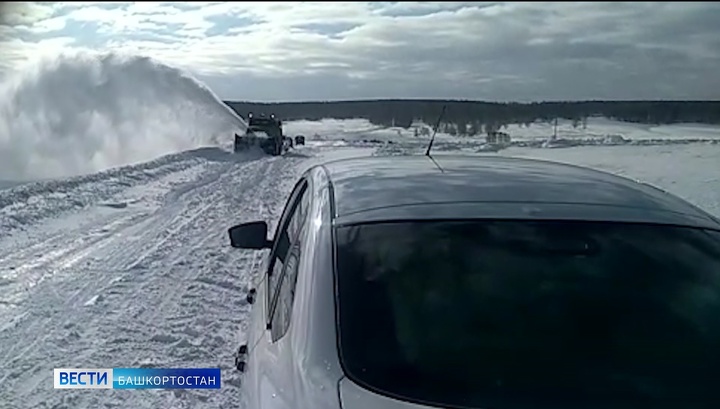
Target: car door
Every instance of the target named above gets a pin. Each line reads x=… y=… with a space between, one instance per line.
x=262 y=284
x=268 y=375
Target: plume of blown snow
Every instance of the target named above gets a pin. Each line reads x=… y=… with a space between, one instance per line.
x=84 y=112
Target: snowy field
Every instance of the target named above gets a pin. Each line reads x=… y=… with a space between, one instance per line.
x=131 y=267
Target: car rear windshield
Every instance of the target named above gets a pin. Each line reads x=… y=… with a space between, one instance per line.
x=511 y=314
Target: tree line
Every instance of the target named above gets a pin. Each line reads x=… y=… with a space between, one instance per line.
x=475 y=117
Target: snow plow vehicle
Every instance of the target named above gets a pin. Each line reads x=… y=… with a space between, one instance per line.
x=264 y=133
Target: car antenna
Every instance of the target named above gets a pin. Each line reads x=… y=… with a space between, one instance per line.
x=437 y=125
x=432 y=139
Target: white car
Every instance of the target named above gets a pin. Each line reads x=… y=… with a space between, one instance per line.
x=482 y=282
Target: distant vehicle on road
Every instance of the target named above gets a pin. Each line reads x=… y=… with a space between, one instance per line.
x=481 y=282
x=265 y=133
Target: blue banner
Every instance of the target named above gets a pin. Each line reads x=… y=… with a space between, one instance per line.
x=166 y=378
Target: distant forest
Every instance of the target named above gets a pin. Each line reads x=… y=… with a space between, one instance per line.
x=476 y=117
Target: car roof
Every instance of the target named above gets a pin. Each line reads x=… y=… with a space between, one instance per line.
x=464 y=186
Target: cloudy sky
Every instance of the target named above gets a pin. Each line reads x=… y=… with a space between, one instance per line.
x=481 y=50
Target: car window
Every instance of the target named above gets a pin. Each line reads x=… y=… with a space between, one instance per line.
x=286 y=231
x=288 y=244
x=286 y=294
x=283 y=309
x=511 y=314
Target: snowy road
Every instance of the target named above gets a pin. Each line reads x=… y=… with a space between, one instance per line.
x=146 y=278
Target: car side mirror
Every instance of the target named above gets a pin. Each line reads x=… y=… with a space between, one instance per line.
x=251 y=235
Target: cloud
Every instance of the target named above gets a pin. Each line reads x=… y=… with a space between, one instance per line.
x=477 y=50
x=14 y=13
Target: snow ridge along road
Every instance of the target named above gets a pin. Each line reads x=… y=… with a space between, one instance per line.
x=142 y=277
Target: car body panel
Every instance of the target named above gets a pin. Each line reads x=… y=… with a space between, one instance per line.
x=302 y=369
x=257 y=309
x=312 y=326
x=269 y=366
x=367 y=183
x=255 y=334
x=302 y=366
x=526 y=211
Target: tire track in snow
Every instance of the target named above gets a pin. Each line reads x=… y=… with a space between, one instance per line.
x=151 y=225
x=153 y=295
x=29 y=203
x=38 y=255
x=40 y=325
x=17 y=251
x=64 y=258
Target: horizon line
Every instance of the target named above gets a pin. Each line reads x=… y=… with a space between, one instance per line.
x=475 y=101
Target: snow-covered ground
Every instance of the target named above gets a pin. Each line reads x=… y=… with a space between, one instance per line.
x=131 y=266
x=596 y=128
x=689 y=171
